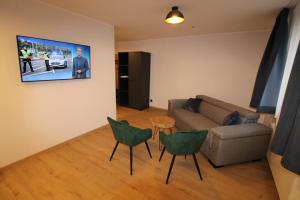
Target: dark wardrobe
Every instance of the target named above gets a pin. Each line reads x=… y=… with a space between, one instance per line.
x=133 y=79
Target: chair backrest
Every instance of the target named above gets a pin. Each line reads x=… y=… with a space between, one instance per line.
x=186 y=142
x=118 y=128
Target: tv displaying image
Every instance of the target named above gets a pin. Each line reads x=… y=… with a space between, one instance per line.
x=46 y=60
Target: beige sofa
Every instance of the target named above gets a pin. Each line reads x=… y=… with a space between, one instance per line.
x=224 y=145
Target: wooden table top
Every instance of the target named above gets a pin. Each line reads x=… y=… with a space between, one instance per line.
x=163 y=122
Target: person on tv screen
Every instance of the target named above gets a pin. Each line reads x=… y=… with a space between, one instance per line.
x=26 y=58
x=80 y=65
x=45 y=56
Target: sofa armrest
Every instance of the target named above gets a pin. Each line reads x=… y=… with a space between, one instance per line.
x=175 y=103
x=240 y=131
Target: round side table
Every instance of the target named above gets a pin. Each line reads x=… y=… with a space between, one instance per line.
x=162 y=123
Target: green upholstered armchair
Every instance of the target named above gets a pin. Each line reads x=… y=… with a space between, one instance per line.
x=129 y=135
x=182 y=143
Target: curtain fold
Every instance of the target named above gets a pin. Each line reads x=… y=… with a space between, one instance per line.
x=270 y=73
x=286 y=141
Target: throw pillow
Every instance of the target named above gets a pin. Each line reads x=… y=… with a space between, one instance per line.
x=232 y=119
x=250 y=118
x=192 y=104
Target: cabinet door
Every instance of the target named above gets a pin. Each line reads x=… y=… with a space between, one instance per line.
x=145 y=81
x=135 y=80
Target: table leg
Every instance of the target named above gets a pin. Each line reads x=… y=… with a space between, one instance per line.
x=159 y=144
x=154 y=132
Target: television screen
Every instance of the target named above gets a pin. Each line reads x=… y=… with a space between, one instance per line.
x=45 y=60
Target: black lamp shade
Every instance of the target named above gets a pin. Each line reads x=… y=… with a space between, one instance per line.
x=174 y=16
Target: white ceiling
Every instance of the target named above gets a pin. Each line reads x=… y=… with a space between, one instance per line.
x=144 y=19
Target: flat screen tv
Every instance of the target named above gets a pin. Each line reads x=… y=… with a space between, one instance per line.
x=46 y=60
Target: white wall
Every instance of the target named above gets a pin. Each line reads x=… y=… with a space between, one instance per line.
x=219 y=65
x=36 y=116
x=288 y=183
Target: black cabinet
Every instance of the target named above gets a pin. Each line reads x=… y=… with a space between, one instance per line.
x=134 y=79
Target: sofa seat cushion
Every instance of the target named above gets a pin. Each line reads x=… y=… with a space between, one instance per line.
x=240 y=131
x=194 y=120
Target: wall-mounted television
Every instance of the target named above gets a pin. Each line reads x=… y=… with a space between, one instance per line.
x=46 y=60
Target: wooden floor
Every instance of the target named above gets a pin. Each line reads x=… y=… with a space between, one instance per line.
x=79 y=169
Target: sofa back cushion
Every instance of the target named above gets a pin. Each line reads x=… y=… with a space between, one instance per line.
x=210 y=105
x=213 y=112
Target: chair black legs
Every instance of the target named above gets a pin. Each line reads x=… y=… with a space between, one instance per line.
x=162 y=153
x=170 y=170
x=131 y=161
x=131 y=154
x=148 y=149
x=114 y=151
x=172 y=163
x=197 y=166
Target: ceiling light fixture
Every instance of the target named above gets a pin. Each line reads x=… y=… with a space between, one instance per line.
x=174 y=16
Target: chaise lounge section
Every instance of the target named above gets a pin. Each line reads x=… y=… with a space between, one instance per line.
x=225 y=145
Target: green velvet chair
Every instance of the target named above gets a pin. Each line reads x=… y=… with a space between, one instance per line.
x=129 y=135
x=182 y=143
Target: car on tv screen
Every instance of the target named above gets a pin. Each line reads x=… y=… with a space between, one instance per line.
x=58 y=61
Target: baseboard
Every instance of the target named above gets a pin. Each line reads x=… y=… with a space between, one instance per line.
x=158 y=108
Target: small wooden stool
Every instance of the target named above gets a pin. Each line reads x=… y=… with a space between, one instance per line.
x=162 y=123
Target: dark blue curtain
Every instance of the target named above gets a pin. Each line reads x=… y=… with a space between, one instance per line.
x=269 y=76
x=286 y=141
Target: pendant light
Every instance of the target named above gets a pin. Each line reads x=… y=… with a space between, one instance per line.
x=174 y=16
